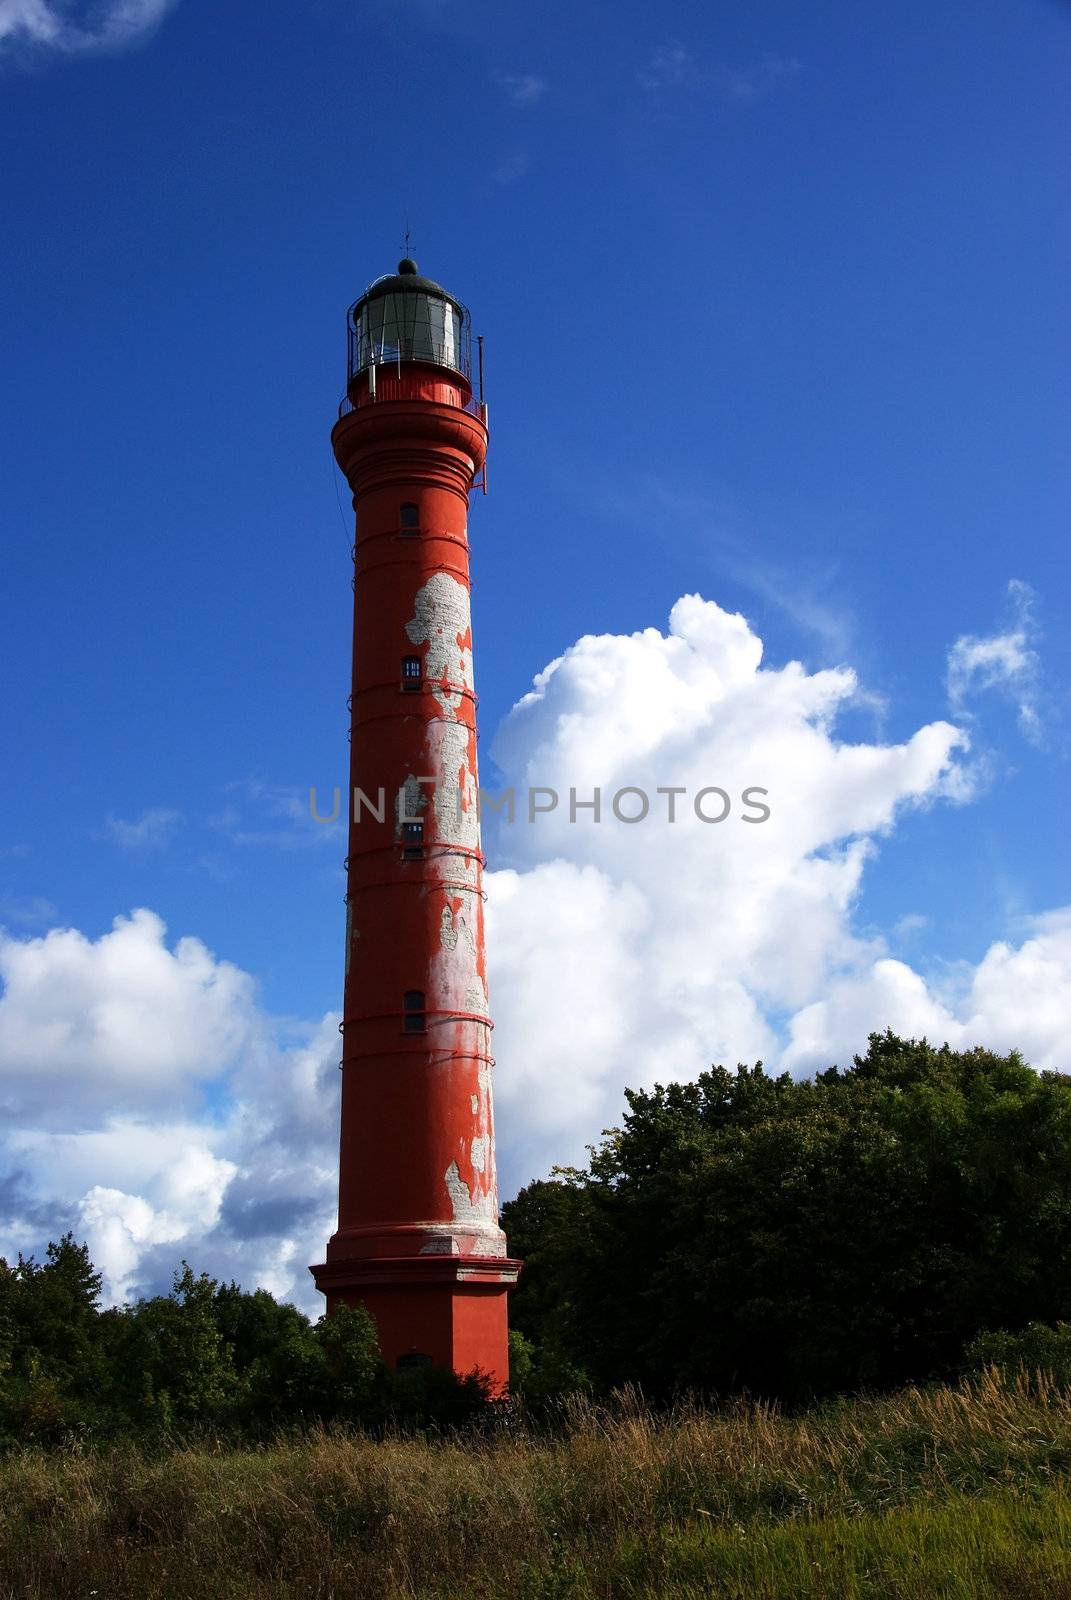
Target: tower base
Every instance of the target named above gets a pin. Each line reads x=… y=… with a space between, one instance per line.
x=443 y=1311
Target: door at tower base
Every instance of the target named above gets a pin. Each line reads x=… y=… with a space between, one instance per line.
x=447 y=1313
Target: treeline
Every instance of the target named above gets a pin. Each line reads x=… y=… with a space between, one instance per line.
x=903 y=1220
x=206 y=1356
x=858 y=1231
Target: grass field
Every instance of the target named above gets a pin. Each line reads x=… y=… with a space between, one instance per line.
x=962 y=1493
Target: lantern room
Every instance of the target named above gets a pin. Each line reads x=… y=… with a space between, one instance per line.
x=402 y=319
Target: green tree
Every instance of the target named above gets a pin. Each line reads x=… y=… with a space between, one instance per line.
x=252 y=1323
x=543 y=1224
x=7 y=1320
x=50 y=1369
x=168 y=1361
x=853 y=1230
x=53 y=1307
x=354 y=1368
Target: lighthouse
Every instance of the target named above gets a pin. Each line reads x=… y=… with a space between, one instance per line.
x=418 y=1241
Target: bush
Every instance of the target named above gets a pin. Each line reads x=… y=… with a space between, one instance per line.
x=1035 y=1349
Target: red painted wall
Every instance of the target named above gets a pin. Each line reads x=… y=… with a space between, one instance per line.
x=418 y=1240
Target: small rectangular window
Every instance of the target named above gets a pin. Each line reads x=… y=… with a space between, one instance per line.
x=413 y=837
x=409 y=518
x=413 y=1011
x=412 y=672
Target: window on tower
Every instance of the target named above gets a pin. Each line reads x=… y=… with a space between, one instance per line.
x=413 y=1011
x=412 y=672
x=413 y=838
x=409 y=518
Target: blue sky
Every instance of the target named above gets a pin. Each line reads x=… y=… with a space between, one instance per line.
x=773 y=314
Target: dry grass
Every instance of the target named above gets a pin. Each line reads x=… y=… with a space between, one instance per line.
x=955 y=1492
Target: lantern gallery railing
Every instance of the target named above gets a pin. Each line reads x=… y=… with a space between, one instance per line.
x=388 y=385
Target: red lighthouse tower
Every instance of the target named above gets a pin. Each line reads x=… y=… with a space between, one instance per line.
x=418 y=1241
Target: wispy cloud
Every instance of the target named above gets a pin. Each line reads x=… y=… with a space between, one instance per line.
x=80 y=28
x=810 y=599
x=153 y=830
x=522 y=88
x=268 y=814
x=668 y=67
x=1005 y=662
x=511 y=168
x=672 y=66
x=27 y=911
x=757 y=81
x=710 y=526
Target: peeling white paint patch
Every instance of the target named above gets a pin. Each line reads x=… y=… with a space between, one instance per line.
x=456 y=812
x=474 y=1102
x=462 y=925
x=443 y=1245
x=447 y=931
x=486 y=1244
x=411 y=802
x=476 y=998
x=479 y=1153
x=508 y=1275
x=440 y=618
x=466 y=1209
x=443 y=1240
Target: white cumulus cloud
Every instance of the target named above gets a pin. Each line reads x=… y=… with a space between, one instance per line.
x=88 y=1024
x=629 y=953
x=1017 y=998
x=153 y=1106
x=108 y=1050
x=118 y=1227
x=715 y=928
